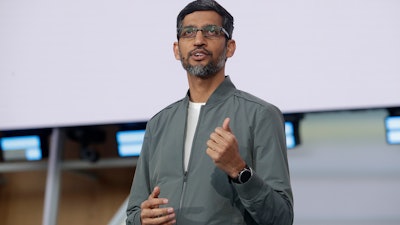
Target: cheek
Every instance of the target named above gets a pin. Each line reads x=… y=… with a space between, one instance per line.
x=223 y=52
x=180 y=55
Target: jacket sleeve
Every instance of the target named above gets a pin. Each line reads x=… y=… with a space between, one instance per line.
x=140 y=189
x=267 y=196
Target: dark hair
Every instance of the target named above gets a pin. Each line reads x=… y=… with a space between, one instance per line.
x=206 y=5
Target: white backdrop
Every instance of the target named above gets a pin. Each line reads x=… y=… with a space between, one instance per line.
x=66 y=63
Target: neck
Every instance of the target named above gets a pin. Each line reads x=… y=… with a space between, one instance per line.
x=201 y=89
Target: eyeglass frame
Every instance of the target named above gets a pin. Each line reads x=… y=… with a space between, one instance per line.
x=203 y=30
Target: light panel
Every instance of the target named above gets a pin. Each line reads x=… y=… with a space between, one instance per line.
x=290 y=135
x=392 y=124
x=21 y=148
x=130 y=142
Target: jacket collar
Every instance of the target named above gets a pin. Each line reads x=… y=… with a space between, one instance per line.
x=223 y=91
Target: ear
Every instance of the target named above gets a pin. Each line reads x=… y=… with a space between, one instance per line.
x=176 y=51
x=231 y=47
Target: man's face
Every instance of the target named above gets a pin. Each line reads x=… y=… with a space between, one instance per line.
x=202 y=56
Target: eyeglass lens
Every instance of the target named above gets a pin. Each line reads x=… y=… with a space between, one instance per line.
x=209 y=31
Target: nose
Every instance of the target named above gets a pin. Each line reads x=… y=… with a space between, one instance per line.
x=199 y=38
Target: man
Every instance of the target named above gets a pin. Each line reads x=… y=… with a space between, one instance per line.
x=217 y=156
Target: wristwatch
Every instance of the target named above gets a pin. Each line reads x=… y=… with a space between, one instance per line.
x=243 y=176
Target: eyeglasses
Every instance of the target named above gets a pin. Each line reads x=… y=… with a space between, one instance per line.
x=209 y=31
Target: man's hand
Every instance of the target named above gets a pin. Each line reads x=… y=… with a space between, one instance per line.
x=151 y=213
x=223 y=149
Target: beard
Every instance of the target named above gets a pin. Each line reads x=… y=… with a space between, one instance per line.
x=206 y=71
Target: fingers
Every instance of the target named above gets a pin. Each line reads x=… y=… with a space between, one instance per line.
x=153 y=201
x=218 y=143
x=158 y=216
x=223 y=149
x=151 y=213
x=221 y=140
x=222 y=137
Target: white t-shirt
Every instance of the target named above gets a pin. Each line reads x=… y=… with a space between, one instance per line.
x=193 y=117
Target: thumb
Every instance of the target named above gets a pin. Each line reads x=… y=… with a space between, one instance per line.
x=225 y=124
x=155 y=193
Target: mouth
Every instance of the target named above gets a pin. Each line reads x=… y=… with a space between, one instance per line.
x=199 y=54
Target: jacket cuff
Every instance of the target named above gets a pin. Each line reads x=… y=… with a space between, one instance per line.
x=251 y=188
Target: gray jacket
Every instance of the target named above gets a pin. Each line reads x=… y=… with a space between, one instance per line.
x=205 y=195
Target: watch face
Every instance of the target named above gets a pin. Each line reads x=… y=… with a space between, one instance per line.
x=245 y=176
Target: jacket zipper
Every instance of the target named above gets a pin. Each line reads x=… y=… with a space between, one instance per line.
x=185 y=174
x=182 y=194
